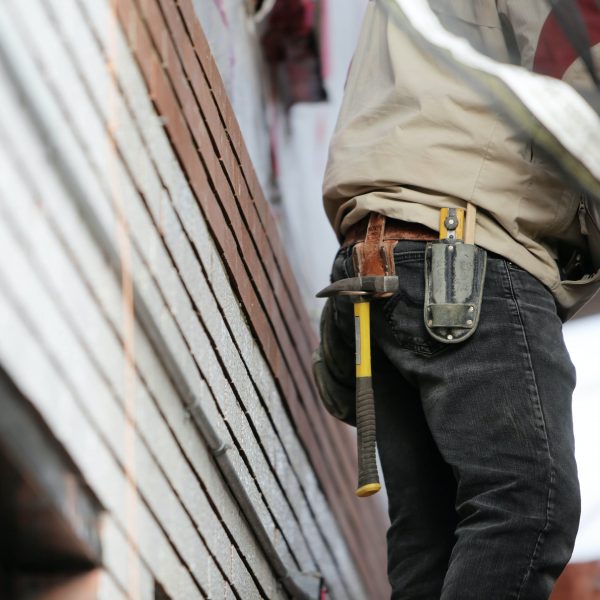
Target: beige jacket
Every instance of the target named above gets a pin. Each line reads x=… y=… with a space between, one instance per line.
x=412 y=137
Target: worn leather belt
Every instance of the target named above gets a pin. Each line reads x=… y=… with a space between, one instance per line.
x=394 y=229
x=374 y=238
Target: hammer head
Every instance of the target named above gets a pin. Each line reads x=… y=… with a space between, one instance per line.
x=361 y=286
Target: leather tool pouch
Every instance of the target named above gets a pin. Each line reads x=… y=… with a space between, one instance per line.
x=454 y=276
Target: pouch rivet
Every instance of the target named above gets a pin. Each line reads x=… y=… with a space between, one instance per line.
x=469 y=322
x=450 y=248
x=471 y=309
x=449 y=337
x=430 y=323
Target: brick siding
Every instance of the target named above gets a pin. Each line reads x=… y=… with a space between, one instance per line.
x=146 y=299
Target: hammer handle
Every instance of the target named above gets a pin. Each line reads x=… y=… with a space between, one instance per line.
x=368 y=477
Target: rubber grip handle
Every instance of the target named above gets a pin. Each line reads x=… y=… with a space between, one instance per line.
x=368 y=477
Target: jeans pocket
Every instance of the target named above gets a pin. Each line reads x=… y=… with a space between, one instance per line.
x=533 y=290
x=404 y=310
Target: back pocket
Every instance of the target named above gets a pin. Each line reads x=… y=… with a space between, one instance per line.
x=404 y=310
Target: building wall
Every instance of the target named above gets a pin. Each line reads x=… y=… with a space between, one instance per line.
x=232 y=34
x=301 y=145
x=288 y=145
x=150 y=316
x=579 y=581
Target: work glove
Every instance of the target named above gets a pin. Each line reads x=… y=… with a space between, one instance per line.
x=334 y=369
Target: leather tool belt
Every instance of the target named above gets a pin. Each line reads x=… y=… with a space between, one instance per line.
x=374 y=239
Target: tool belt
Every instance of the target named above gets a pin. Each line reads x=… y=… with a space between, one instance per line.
x=374 y=239
x=454 y=267
x=454 y=273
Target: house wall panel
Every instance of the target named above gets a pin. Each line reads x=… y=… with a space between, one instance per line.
x=153 y=296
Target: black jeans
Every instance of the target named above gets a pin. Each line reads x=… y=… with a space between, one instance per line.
x=475 y=439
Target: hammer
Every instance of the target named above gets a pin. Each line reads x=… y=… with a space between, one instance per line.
x=361 y=290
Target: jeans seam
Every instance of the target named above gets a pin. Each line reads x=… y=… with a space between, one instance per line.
x=541 y=536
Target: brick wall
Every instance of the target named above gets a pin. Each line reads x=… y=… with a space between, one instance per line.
x=149 y=314
x=232 y=34
x=579 y=581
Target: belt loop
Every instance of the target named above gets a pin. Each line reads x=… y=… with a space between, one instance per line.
x=375 y=230
x=470 y=221
x=374 y=256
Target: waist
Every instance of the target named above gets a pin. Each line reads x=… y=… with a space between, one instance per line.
x=394 y=229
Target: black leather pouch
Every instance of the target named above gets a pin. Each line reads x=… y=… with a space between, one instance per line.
x=454 y=277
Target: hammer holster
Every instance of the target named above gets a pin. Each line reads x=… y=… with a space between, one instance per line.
x=375 y=255
x=454 y=278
